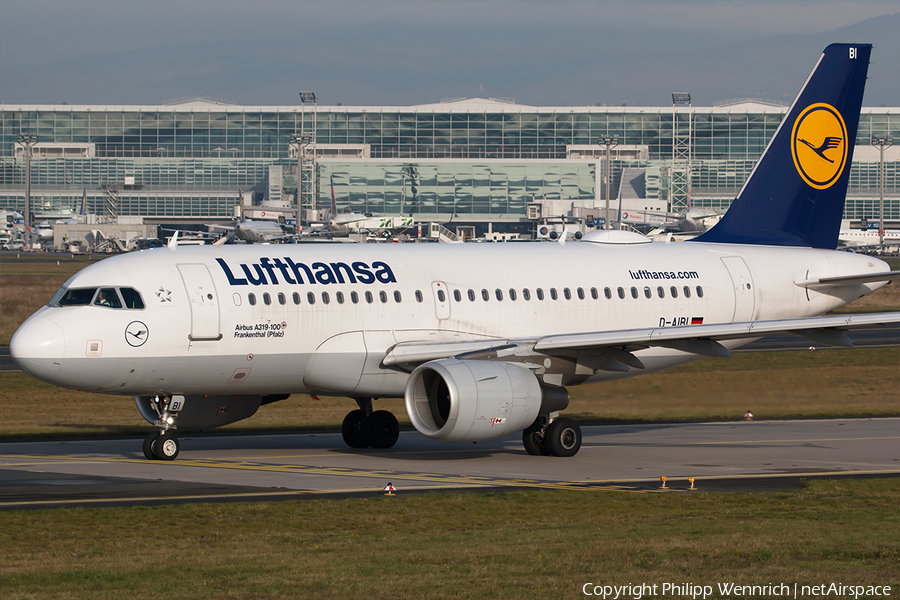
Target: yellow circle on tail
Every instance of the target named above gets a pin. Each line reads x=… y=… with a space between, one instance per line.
x=819 y=145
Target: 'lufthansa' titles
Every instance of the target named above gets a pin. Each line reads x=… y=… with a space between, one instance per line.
x=269 y=270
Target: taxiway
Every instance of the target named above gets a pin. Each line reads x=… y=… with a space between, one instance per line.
x=271 y=466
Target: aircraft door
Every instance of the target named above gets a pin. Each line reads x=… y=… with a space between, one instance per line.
x=441 y=299
x=204 y=302
x=742 y=284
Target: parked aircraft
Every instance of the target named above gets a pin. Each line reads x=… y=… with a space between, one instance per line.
x=481 y=340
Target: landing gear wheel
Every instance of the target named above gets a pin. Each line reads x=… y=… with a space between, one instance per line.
x=148 y=445
x=563 y=437
x=382 y=429
x=353 y=429
x=166 y=447
x=530 y=440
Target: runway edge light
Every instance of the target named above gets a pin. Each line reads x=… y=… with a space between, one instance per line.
x=692 y=488
x=748 y=416
x=663 y=480
x=389 y=489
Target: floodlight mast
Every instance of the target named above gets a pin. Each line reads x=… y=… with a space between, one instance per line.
x=681 y=153
x=610 y=141
x=882 y=142
x=306 y=155
x=27 y=140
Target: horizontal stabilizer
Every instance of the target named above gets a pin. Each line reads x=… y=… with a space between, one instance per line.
x=832 y=282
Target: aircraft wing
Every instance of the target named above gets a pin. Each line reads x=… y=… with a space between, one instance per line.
x=615 y=348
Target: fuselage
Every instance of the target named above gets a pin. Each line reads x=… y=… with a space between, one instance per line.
x=320 y=318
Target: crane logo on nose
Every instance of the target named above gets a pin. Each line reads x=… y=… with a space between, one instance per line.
x=136 y=334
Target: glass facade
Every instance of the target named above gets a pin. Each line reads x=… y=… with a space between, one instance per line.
x=194 y=160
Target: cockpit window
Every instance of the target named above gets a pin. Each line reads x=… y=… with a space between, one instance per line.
x=108 y=297
x=77 y=297
x=131 y=297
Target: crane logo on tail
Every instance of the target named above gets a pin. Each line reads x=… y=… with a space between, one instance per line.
x=819 y=145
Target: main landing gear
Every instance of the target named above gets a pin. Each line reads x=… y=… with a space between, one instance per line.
x=163 y=445
x=364 y=427
x=559 y=437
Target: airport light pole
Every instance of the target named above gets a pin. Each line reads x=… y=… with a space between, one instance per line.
x=610 y=141
x=27 y=140
x=306 y=175
x=881 y=142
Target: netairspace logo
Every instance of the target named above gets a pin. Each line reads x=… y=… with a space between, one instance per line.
x=729 y=590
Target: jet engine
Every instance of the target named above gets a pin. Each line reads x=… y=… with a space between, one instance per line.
x=472 y=400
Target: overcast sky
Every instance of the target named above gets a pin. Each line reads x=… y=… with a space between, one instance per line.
x=404 y=52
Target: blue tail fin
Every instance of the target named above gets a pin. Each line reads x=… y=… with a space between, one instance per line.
x=795 y=194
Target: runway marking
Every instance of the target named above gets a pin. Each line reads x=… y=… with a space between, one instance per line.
x=436 y=478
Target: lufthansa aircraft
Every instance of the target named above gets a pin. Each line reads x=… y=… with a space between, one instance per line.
x=480 y=339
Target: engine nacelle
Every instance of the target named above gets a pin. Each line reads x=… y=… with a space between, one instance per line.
x=472 y=400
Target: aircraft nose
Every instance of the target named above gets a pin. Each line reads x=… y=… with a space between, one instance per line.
x=38 y=347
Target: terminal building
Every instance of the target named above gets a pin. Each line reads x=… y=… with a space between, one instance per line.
x=472 y=161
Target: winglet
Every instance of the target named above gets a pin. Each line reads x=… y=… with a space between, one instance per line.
x=173 y=241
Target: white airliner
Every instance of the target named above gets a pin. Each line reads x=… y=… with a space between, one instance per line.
x=480 y=339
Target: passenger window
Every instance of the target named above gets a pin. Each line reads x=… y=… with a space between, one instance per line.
x=397 y=297
x=608 y=293
x=580 y=293
x=471 y=294
x=296 y=297
x=251 y=298
x=512 y=294
x=132 y=298
x=457 y=295
x=442 y=297
x=499 y=294
x=699 y=292
x=108 y=297
x=354 y=297
x=674 y=291
x=382 y=295
x=237 y=299
x=540 y=294
x=267 y=299
x=594 y=293
x=325 y=298
x=634 y=292
x=567 y=293
x=526 y=294
x=369 y=297
x=485 y=295
x=310 y=298
x=339 y=296
x=553 y=294
x=621 y=293
x=647 y=293
x=282 y=299
x=687 y=292
x=419 y=296
x=661 y=292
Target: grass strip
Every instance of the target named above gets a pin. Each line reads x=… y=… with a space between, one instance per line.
x=504 y=545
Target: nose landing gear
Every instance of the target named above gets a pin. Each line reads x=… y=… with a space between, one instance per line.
x=162 y=445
